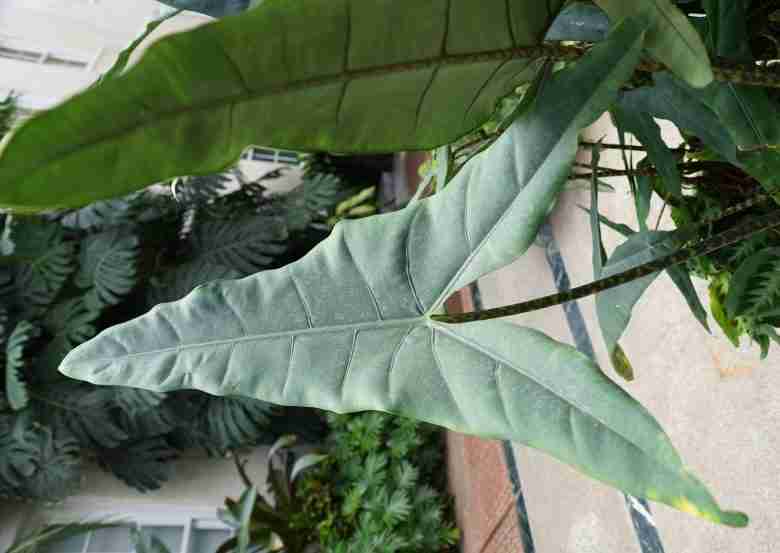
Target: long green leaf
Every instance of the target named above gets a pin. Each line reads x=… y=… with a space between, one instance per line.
x=642 y=125
x=671 y=38
x=348 y=327
x=370 y=76
x=671 y=99
x=614 y=306
x=746 y=111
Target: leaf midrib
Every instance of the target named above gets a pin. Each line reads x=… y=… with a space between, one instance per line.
x=380 y=324
x=501 y=360
x=485 y=56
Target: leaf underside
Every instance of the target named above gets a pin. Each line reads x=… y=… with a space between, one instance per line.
x=347 y=327
x=347 y=68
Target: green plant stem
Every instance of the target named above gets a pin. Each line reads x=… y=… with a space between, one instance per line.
x=750 y=74
x=684 y=254
x=606 y=146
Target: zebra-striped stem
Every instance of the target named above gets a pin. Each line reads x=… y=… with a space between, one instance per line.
x=682 y=255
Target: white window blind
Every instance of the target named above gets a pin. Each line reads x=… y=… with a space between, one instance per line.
x=187 y=535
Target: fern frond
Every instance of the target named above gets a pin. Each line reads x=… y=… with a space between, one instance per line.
x=108 y=265
x=15 y=362
x=44 y=260
x=746 y=248
x=176 y=283
x=425 y=494
x=397 y=509
x=766 y=294
x=405 y=475
x=353 y=500
x=246 y=245
x=81 y=411
x=144 y=465
x=374 y=473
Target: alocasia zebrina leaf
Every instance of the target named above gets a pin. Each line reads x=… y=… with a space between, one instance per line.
x=349 y=328
x=334 y=75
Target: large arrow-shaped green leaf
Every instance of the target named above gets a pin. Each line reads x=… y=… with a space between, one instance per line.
x=337 y=75
x=348 y=327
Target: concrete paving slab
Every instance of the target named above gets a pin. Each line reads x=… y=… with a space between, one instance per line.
x=719 y=406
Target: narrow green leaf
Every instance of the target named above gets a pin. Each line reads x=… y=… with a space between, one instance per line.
x=642 y=125
x=746 y=111
x=247 y=505
x=671 y=99
x=349 y=70
x=729 y=327
x=615 y=306
x=348 y=327
x=599 y=253
x=671 y=38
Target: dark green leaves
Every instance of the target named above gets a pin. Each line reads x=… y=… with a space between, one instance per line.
x=349 y=69
x=143 y=465
x=43 y=260
x=15 y=362
x=246 y=245
x=108 y=267
x=671 y=38
x=755 y=287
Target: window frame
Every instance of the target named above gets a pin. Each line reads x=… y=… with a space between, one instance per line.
x=142 y=516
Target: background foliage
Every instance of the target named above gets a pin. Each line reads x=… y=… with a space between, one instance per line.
x=65 y=276
x=381 y=488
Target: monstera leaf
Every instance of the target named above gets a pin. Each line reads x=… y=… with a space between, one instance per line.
x=350 y=70
x=351 y=326
x=108 y=267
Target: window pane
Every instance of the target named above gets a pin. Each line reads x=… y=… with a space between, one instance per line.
x=73 y=544
x=110 y=540
x=169 y=535
x=207 y=541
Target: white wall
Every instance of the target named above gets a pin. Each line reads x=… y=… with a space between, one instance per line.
x=94 y=31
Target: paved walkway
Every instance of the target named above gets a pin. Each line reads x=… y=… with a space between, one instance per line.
x=721 y=408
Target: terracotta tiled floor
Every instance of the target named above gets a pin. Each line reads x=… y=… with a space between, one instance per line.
x=485 y=502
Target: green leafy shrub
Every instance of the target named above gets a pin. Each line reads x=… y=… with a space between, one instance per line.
x=381 y=488
x=67 y=275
